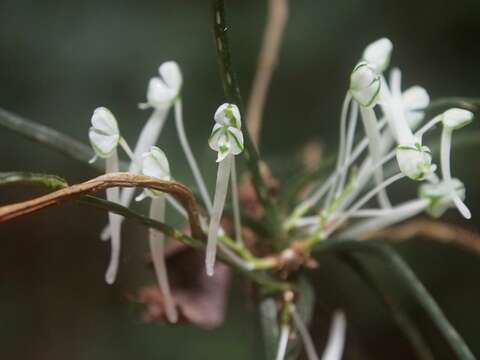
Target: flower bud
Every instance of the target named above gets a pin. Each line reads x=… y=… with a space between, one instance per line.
x=440 y=195
x=415 y=161
x=365 y=84
x=378 y=54
x=456 y=118
x=104 y=134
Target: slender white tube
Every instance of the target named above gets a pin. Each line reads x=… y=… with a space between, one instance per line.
x=283 y=342
x=157 y=244
x=304 y=334
x=446 y=143
x=189 y=155
x=352 y=126
x=388 y=217
x=235 y=204
x=223 y=174
x=345 y=216
x=148 y=137
x=375 y=146
x=113 y=195
x=336 y=338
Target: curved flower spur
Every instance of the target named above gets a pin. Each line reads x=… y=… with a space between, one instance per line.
x=155 y=164
x=104 y=137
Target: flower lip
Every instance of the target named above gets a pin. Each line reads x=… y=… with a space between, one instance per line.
x=415 y=160
x=456 y=118
x=365 y=84
x=378 y=54
x=440 y=195
x=104 y=134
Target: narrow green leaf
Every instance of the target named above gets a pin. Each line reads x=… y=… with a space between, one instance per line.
x=47 y=136
x=51 y=181
x=409 y=280
x=398 y=314
x=270 y=328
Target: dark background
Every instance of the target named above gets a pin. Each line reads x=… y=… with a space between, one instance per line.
x=59 y=60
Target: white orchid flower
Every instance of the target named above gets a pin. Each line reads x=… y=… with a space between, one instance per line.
x=441 y=196
x=227 y=140
x=155 y=164
x=105 y=137
x=453 y=119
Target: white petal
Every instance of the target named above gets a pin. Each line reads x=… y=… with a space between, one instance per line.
x=236 y=140
x=171 y=74
x=229 y=115
x=104 y=121
x=103 y=145
x=414 y=160
x=440 y=195
x=378 y=54
x=217 y=132
x=159 y=95
x=456 y=118
x=155 y=164
x=365 y=85
x=415 y=98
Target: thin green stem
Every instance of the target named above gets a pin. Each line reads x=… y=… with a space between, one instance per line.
x=232 y=93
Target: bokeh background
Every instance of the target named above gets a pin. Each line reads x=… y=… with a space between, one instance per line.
x=59 y=60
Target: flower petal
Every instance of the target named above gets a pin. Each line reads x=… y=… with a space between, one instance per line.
x=378 y=54
x=236 y=140
x=104 y=121
x=160 y=95
x=415 y=98
x=171 y=75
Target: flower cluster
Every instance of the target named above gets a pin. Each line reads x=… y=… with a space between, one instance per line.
x=392 y=144
x=391 y=119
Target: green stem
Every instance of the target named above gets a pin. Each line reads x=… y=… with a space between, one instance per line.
x=262 y=278
x=232 y=93
x=408 y=278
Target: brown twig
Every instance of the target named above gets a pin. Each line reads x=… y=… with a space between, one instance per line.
x=177 y=190
x=272 y=38
x=443 y=232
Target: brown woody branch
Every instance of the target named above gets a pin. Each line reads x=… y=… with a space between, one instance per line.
x=272 y=39
x=179 y=191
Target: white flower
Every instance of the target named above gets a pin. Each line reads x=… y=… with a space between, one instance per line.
x=365 y=84
x=378 y=54
x=104 y=134
x=163 y=90
x=226 y=137
x=456 y=118
x=415 y=160
x=440 y=195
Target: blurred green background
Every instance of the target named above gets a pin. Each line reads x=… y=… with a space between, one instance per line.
x=59 y=60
